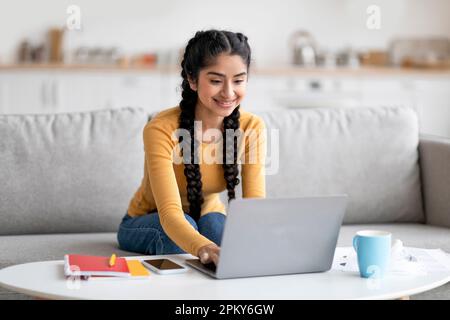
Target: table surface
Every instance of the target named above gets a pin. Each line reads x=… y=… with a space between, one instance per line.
x=46 y=280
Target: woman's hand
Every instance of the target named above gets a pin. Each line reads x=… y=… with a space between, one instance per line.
x=209 y=253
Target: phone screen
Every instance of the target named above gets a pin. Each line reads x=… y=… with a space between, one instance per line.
x=163 y=264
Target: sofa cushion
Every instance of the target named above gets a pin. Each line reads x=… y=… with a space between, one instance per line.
x=371 y=154
x=72 y=172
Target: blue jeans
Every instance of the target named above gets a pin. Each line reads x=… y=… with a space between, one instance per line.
x=144 y=234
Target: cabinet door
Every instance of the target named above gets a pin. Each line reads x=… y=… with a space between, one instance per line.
x=2 y=93
x=76 y=91
x=388 y=92
x=433 y=101
x=25 y=92
x=320 y=92
x=87 y=90
x=138 y=89
x=83 y=91
x=170 y=89
x=262 y=92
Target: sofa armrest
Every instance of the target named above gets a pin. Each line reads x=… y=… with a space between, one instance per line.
x=435 y=172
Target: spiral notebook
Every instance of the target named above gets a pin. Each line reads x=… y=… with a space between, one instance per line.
x=96 y=267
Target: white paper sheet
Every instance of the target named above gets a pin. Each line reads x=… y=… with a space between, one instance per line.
x=407 y=261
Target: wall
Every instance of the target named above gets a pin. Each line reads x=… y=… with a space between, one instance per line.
x=139 y=25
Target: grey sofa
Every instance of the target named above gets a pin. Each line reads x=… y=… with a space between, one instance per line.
x=66 y=179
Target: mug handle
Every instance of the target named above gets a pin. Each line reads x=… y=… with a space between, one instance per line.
x=355 y=243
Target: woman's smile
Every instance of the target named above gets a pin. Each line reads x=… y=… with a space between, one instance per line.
x=225 y=103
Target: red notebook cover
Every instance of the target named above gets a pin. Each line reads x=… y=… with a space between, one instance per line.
x=92 y=265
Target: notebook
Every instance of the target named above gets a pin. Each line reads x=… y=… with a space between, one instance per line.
x=95 y=267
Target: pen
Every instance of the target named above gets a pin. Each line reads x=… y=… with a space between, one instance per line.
x=112 y=260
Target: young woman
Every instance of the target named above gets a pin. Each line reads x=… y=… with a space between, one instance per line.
x=177 y=207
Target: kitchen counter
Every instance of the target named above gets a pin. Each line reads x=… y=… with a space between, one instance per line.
x=259 y=70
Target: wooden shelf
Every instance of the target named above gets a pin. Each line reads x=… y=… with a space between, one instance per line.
x=351 y=72
x=269 y=71
x=85 y=67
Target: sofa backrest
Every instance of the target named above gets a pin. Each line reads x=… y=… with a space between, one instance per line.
x=69 y=172
x=77 y=172
x=371 y=154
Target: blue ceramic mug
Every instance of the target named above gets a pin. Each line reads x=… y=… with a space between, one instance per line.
x=373 y=249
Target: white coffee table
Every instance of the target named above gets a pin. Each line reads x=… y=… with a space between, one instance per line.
x=46 y=280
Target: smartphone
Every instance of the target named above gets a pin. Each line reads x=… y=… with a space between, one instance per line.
x=164 y=266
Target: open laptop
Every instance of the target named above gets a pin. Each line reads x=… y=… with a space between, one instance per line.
x=265 y=237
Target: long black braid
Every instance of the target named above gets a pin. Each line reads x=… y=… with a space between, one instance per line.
x=200 y=53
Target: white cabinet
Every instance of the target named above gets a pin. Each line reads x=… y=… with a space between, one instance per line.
x=321 y=92
x=272 y=92
x=25 y=92
x=429 y=97
x=261 y=93
x=92 y=91
x=387 y=92
x=72 y=91
x=82 y=92
x=170 y=94
x=433 y=104
x=60 y=90
x=137 y=90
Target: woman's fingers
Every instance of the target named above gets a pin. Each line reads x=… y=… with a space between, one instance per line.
x=215 y=253
x=215 y=258
x=210 y=254
x=204 y=257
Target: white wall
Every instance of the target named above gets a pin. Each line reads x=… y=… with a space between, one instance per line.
x=137 y=25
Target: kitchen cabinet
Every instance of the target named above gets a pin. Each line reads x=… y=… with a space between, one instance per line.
x=321 y=92
x=433 y=104
x=137 y=90
x=261 y=93
x=21 y=92
x=56 y=91
x=75 y=92
x=388 y=92
x=428 y=96
x=50 y=90
x=170 y=90
x=268 y=93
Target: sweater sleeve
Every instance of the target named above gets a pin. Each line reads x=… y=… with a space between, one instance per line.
x=253 y=163
x=159 y=146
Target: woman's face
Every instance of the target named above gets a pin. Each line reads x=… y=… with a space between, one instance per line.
x=222 y=86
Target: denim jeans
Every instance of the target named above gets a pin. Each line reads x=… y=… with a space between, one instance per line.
x=144 y=234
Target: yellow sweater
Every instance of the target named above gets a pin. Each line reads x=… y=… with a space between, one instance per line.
x=163 y=186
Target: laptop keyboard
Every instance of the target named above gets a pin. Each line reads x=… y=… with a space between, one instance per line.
x=211 y=266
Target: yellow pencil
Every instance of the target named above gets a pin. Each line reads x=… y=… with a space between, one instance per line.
x=112 y=260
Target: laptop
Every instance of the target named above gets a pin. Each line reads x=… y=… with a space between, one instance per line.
x=264 y=237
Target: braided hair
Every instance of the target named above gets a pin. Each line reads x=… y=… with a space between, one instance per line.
x=200 y=52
